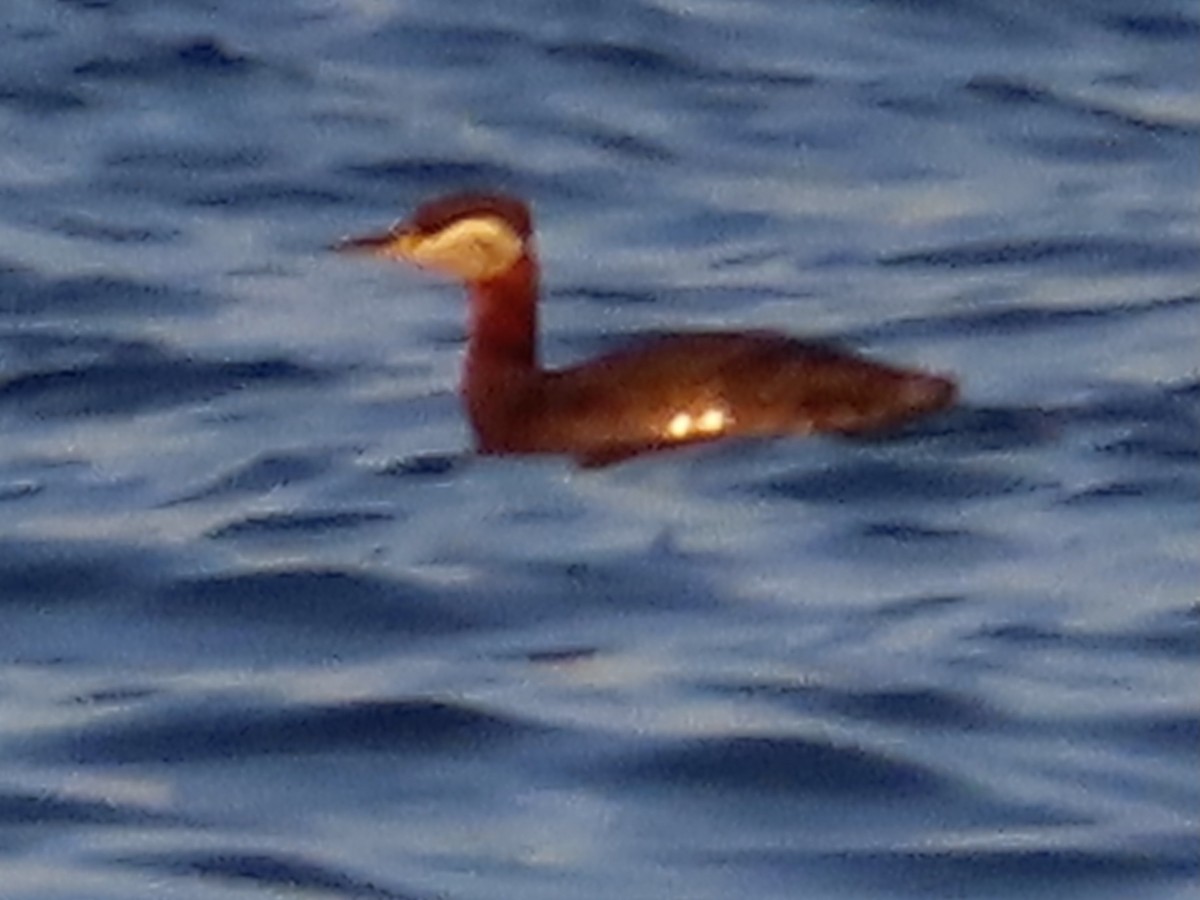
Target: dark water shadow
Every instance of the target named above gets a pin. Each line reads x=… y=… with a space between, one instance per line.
x=269 y=871
x=25 y=294
x=233 y=734
x=144 y=378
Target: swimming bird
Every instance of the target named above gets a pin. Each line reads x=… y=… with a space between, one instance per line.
x=663 y=392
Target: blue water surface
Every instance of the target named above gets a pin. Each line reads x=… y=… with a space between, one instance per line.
x=267 y=628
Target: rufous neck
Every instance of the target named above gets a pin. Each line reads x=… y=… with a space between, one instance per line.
x=503 y=320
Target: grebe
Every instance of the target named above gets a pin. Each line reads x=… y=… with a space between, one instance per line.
x=661 y=393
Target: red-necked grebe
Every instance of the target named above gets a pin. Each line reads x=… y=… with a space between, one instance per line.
x=662 y=392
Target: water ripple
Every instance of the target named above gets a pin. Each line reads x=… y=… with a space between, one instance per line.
x=915 y=708
x=267 y=871
x=1013 y=92
x=783 y=765
x=940 y=872
x=192 y=58
x=152 y=378
x=46 y=810
x=890 y=481
x=320 y=601
x=1166 y=27
x=314 y=523
x=26 y=295
x=263 y=474
x=233 y=734
x=1098 y=253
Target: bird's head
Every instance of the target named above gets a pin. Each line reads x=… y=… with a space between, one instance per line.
x=474 y=237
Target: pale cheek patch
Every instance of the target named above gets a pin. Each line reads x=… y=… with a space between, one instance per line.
x=473 y=249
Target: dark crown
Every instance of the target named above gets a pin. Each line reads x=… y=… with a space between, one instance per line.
x=438 y=214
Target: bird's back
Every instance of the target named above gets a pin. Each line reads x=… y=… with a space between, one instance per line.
x=684 y=388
